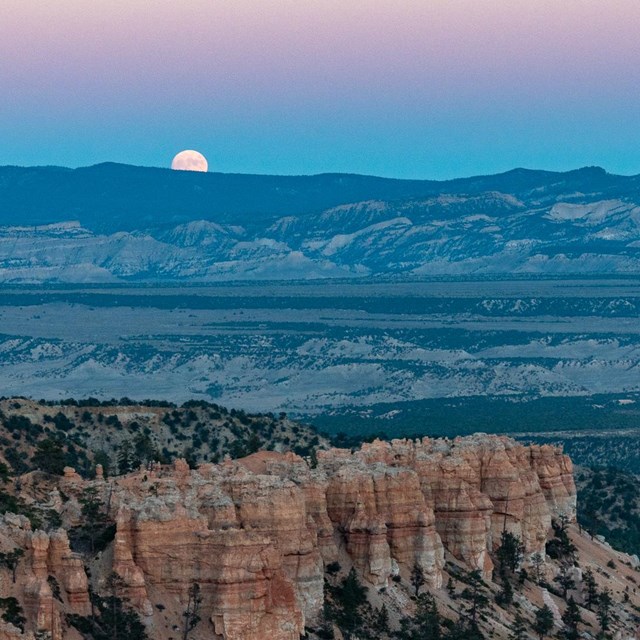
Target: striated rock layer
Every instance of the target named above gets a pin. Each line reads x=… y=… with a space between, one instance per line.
x=257 y=533
x=48 y=562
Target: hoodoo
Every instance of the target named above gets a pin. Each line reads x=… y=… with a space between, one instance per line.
x=256 y=534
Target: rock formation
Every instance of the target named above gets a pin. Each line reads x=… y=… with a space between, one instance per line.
x=50 y=580
x=256 y=534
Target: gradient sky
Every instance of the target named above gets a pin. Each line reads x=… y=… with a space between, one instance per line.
x=405 y=88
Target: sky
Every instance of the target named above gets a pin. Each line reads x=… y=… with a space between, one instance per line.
x=400 y=88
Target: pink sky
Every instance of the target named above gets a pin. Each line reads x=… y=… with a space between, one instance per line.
x=211 y=71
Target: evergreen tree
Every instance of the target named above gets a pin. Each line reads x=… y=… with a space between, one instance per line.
x=381 y=621
x=125 y=457
x=54 y=585
x=509 y=553
x=518 y=629
x=459 y=631
x=191 y=613
x=10 y=560
x=505 y=597
x=13 y=612
x=144 y=450
x=49 y=457
x=605 y=604
x=560 y=546
x=564 y=579
x=94 y=516
x=477 y=599
x=417 y=578
x=349 y=607
x=427 y=617
x=113 y=619
x=96 y=530
x=591 y=588
x=426 y=622
x=571 y=618
x=543 y=622
x=537 y=566
x=4 y=473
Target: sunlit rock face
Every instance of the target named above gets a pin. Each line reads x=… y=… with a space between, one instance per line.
x=256 y=533
x=47 y=561
x=475 y=487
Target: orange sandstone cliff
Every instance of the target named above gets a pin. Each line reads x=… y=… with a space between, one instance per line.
x=257 y=533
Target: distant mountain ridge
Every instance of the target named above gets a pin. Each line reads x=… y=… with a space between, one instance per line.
x=136 y=197
x=111 y=222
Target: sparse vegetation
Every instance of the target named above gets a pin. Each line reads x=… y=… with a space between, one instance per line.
x=609 y=505
x=137 y=434
x=114 y=619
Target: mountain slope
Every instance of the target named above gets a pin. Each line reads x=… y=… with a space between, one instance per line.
x=111 y=223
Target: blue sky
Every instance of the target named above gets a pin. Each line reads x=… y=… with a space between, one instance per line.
x=404 y=88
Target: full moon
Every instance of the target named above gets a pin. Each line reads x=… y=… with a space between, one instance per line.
x=190 y=160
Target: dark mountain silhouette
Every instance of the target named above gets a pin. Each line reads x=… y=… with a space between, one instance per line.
x=113 y=197
x=114 y=222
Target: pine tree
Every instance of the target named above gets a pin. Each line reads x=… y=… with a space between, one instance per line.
x=537 y=566
x=451 y=588
x=11 y=559
x=591 y=588
x=417 y=578
x=13 y=612
x=427 y=617
x=475 y=594
x=543 y=622
x=509 y=553
x=349 y=604
x=425 y=624
x=518 y=629
x=381 y=623
x=125 y=457
x=560 y=546
x=113 y=619
x=571 y=618
x=605 y=603
x=94 y=516
x=564 y=579
x=191 y=613
x=505 y=597
x=49 y=457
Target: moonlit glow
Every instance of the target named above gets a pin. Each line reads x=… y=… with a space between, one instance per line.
x=405 y=88
x=190 y=160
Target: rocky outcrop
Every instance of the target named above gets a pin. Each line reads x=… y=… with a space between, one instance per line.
x=50 y=579
x=384 y=519
x=246 y=539
x=50 y=562
x=555 y=474
x=480 y=485
x=257 y=534
x=68 y=568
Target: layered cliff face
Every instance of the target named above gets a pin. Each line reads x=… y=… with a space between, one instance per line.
x=479 y=485
x=50 y=582
x=256 y=534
